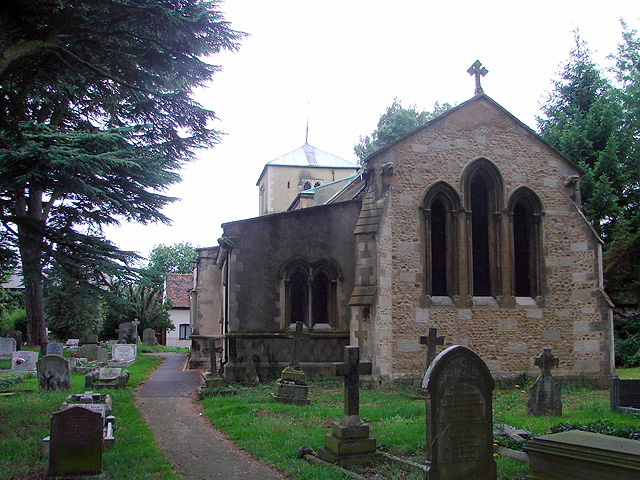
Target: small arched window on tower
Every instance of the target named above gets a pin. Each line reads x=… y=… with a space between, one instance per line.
x=441 y=206
x=483 y=189
x=525 y=210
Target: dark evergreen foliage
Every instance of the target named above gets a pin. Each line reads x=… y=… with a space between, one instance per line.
x=96 y=120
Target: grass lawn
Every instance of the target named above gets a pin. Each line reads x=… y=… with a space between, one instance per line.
x=25 y=419
x=256 y=422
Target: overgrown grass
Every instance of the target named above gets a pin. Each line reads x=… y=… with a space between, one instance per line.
x=256 y=422
x=25 y=419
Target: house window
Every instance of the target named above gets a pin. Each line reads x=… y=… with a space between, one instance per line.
x=184 y=331
x=441 y=206
x=525 y=212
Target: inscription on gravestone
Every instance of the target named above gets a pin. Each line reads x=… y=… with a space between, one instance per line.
x=24 y=361
x=76 y=442
x=459 y=425
x=54 y=348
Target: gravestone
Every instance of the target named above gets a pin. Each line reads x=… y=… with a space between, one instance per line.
x=124 y=354
x=128 y=332
x=24 y=361
x=149 y=337
x=291 y=387
x=17 y=336
x=72 y=344
x=53 y=373
x=544 y=394
x=583 y=455
x=624 y=394
x=76 y=443
x=92 y=338
x=459 y=425
x=102 y=356
x=7 y=348
x=89 y=351
x=107 y=377
x=350 y=444
x=54 y=348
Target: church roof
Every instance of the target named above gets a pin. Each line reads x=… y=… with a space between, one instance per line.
x=309 y=156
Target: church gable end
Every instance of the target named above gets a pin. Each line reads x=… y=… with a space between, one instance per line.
x=480 y=237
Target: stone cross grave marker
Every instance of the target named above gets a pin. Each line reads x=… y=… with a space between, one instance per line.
x=349 y=443
x=297 y=339
x=431 y=341
x=479 y=71
x=544 y=394
x=459 y=425
x=53 y=373
x=24 y=361
x=7 y=347
x=76 y=443
x=149 y=337
x=54 y=348
x=128 y=332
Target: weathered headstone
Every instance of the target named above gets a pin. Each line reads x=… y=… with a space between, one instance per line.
x=72 y=344
x=291 y=387
x=76 y=443
x=544 y=394
x=24 y=361
x=350 y=444
x=124 y=354
x=459 y=425
x=583 y=455
x=53 y=373
x=431 y=341
x=7 y=347
x=17 y=336
x=54 y=348
x=149 y=337
x=128 y=332
x=89 y=351
x=624 y=394
x=102 y=356
x=92 y=338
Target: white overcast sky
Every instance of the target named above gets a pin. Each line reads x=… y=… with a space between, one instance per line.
x=343 y=62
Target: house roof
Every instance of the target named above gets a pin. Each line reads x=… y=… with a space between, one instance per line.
x=178 y=287
x=309 y=156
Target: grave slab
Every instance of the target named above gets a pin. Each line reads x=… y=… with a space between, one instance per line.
x=24 y=361
x=583 y=455
x=624 y=394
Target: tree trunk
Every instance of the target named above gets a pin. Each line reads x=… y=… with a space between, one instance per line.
x=36 y=333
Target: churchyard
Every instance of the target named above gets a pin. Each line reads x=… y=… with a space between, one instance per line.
x=274 y=431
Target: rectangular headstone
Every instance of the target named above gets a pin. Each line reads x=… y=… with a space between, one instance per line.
x=149 y=337
x=624 y=393
x=76 y=442
x=89 y=351
x=54 y=348
x=72 y=343
x=102 y=355
x=92 y=338
x=7 y=347
x=53 y=373
x=123 y=352
x=24 y=361
x=17 y=335
x=459 y=425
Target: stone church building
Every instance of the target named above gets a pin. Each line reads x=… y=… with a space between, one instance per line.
x=470 y=224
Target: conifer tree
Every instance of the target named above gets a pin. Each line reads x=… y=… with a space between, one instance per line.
x=97 y=117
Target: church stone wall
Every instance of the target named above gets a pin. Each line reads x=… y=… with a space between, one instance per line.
x=572 y=315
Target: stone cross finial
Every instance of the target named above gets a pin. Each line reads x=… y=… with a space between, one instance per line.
x=546 y=361
x=479 y=71
x=297 y=336
x=431 y=341
x=351 y=370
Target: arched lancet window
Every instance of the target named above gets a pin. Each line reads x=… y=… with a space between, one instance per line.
x=484 y=191
x=441 y=205
x=525 y=212
x=310 y=292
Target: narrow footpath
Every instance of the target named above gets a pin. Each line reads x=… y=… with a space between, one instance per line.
x=199 y=452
